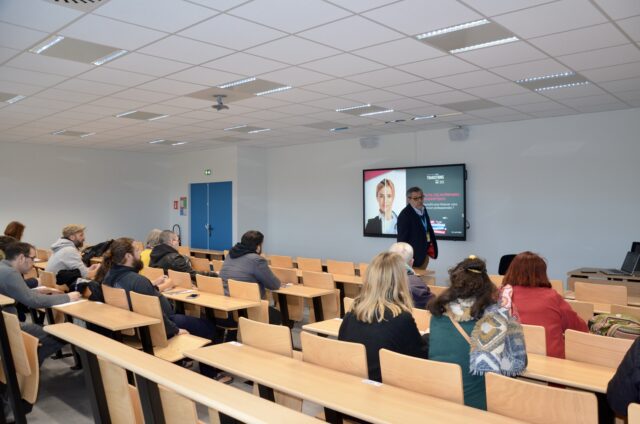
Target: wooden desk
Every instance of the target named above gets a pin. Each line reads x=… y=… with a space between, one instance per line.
x=328 y=327
x=305 y=292
x=209 y=254
x=211 y=302
x=111 y=318
x=40 y=266
x=150 y=371
x=336 y=391
x=602 y=308
x=593 y=275
x=579 y=375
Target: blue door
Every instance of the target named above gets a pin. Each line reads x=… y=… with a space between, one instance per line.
x=199 y=216
x=211 y=219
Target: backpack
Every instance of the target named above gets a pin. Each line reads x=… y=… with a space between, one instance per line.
x=615 y=325
x=95 y=251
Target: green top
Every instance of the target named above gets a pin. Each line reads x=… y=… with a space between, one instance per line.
x=446 y=344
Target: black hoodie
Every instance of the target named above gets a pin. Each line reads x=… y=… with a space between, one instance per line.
x=166 y=257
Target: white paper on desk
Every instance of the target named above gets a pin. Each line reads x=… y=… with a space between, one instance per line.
x=180 y=291
x=235 y=343
x=62 y=305
x=373 y=383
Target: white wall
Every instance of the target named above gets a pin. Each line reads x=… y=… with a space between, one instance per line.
x=564 y=187
x=48 y=187
x=252 y=198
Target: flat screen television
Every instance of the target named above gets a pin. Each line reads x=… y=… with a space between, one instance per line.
x=444 y=187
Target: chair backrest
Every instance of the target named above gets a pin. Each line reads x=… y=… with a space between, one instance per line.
x=176 y=408
x=285 y=275
x=150 y=306
x=362 y=268
x=272 y=338
x=626 y=310
x=558 y=286
x=309 y=264
x=438 y=379
x=115 y=297
x=348 y=303
x=335 y=354
x=24 y=351
x=437 y=290
x=120 y=401
x=210 y=284
x=217 y=264
x=496 y=279
x=505 y=261
x=595 y=349
x=633 y=417
x=184 y=250
x=152 y=273
x=281 y=261
x=200 y=264
x=43 y=254
x=340 y=267
x=48 y=279
x=601 y=293
x=322 y=280
x=536 y=403
x=535 y=339
x=422 y=318
x=250 y=291
x=180 y=279
x=583 y=309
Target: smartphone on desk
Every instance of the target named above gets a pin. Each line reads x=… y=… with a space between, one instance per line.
x=193 y=296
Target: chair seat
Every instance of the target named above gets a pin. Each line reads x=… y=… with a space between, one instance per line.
x=178 y=344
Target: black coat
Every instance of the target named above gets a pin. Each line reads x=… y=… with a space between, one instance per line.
x=624 y=387
x=411 y=230
x=166 y=257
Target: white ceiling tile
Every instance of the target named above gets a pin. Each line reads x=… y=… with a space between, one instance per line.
x=36 y=14
x=308 y=13
x=612 y=73
x=519 y=99
x=188 y=103
x=537 y=68
x=590 y=100
x=360 y=5
x=603 y=57
x=6 y=53
x=372 y=96
x=95 y=110
x=29 y=77
x=264 y=115
x=447 y=97
x=298 y=109
x=168 y=86
x=602 y=107
x=619 y=9
x=590 y=38
x=630 y=96
x=632 y=27
x=112 y=33
x=232 y=32
x=56 y=105
x=343 y=65
x=205 y=76
x=163 y=15
x=17 y=37
x=418 y=88
x=53 y=65
x=185 y=50
x=383 y=78
x=417 y=16
x=551 y=18
x=144 y=95
x=295 y=76
x=71 y=96
x=266 y=102
x=491 y=112
x=351 y=33
x=470 y=79
x=146 y=64
x=115 y=76
x=297 y=120
x=297 y=95
x=440 y=66
x=495 y=90
x=539 y=107
x=572 y=92
x=121 y=104
x=90 y=87
x=336 y=87
x=492 y=7
x=505 y=54
x=406 y=104
x=331 y=104
x=293 y=50
x=16 y=87
x=245 y=64
x=621 y=86
x=399 y=52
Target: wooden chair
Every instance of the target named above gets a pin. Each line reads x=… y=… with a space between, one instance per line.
x=24 y=350
x=272 y=338
x=583 y=309
x=181 y=279
x=362 y=268
x=422 y=318
x=348 y=303
x=330 y=303
x=535 y=339
x=217 y=265
x=295 y=304
x=122 y=399
x=200 y=264
x=250 y=291
x=595 y=349
x=43 y=254
x=48 y=279
x=496 y=279
x=558 y=286
x=626 y=310
x=340 y=267
x=118 y=298
x=347 y=357
x=633 y=416
x=152 y=273
x=601 y=293
x=536 y=403
x=438 y=379
x=184 y=250
x=437 y=290
x=309 y=264
x=167 y=349
x=214 y=285
x=281 y=261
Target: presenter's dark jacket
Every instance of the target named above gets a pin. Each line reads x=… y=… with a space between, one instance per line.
x=411 y=230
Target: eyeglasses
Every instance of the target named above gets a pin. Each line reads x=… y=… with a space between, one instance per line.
x=416 y=198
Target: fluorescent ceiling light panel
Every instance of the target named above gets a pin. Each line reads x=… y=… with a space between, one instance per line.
x=235 y=128
x=274 y=90
x=325 y=125
x=11 y=98
x=376 y=112
x=87 y=135
x=420 y=118
x=157 y=141
x=179 y=143
x=259 y=131
x=345 y=109
x=157 y=117
x=247 y=129
x=78 y=50
x=339 y=129
x=69 y=133
x=555 y=87
x=553 y=81
x=49 y=42
x=452 y=29
x=141 y=116
x=110 y=57
x=544 y=77
x=236 y=83
x=484 y=45
x=364 y=110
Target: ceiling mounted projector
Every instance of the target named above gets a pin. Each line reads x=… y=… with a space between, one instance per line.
x=219 y=106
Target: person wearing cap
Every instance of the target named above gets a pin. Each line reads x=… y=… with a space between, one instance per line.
x=66 y=259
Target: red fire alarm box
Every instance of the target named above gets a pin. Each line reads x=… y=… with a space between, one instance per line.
x=175 y=204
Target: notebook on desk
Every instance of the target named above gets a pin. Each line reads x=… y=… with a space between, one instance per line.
x=629 y=266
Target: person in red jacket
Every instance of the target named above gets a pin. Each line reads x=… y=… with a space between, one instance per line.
x=526 y=290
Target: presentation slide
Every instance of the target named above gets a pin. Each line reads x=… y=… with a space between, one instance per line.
x=384 y=194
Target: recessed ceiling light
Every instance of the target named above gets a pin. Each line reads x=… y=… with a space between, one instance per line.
x=109 y=57
x=15 y=99
x=555 y=87
x=120 y=115
x=448 y=114
x=452 y=29
x=46 y=44
x=558 y=75
x=157 y=117
x=235 y=83
x=339 y=129
x=87 y=135
x=259 y=131
x=275 y=90
x=553 y=81
x=419 y=118
x=157 y=141
x=483 y=45
x=179 y=143
x=377 y=112
x=344 y=109
x=58 y=132
x=71 y=133
x=235 y=128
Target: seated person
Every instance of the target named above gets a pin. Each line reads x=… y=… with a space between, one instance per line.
x=153 y=239
x=66 y=262
x=244 y=263
x=624 y=387
x=526 y=290
x=420 y=293
x=380 y=317
x=166 y=256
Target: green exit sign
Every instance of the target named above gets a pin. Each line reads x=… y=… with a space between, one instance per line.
x=207 y=172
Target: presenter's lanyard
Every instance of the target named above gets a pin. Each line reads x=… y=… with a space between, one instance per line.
x=423 y=219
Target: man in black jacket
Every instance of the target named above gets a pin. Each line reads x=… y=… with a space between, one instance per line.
x=166 y=256
x=624 y=387
x=414 y=227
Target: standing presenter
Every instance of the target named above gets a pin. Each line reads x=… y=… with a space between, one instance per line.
x=414 y=227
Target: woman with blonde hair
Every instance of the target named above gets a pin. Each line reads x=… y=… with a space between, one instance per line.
x=380 y=317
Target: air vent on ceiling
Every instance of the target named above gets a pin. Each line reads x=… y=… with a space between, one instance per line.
x=82 y=5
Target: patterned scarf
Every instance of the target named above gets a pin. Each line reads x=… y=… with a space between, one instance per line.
x=497 y=340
